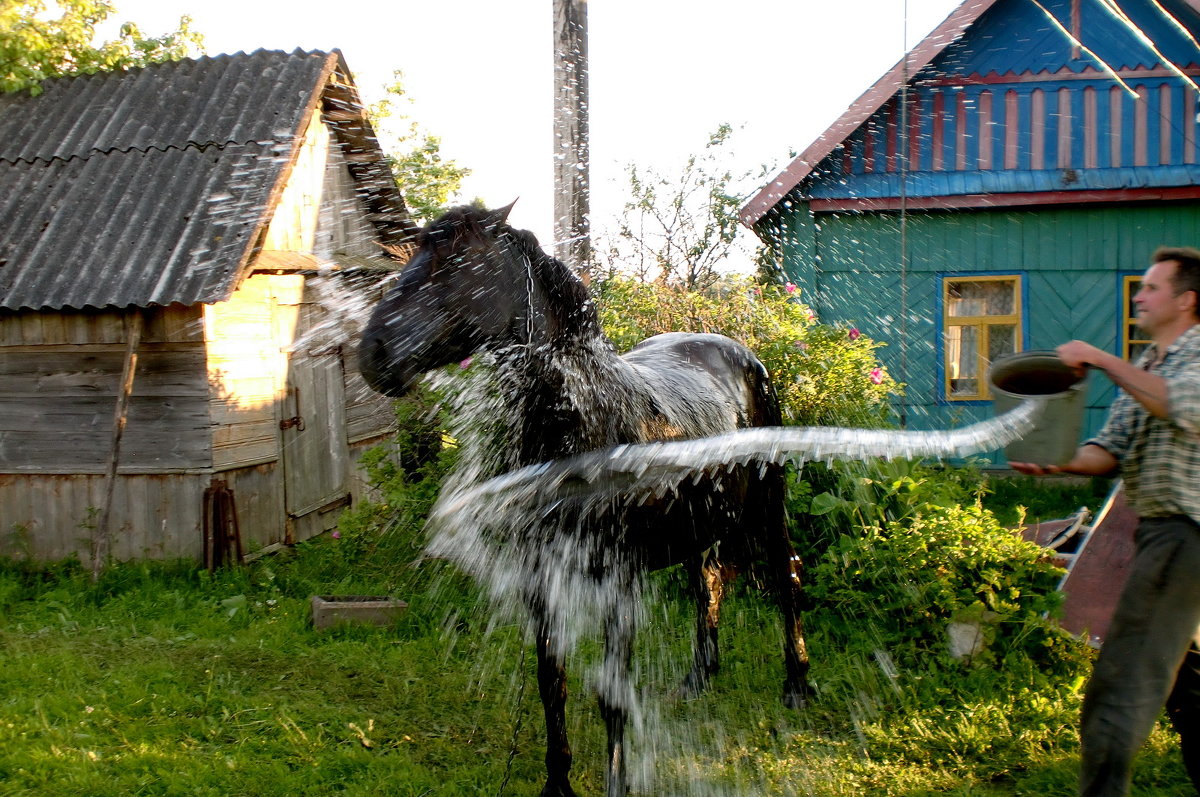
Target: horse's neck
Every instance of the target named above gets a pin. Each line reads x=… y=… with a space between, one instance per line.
x=568 y=398
x=563 y=383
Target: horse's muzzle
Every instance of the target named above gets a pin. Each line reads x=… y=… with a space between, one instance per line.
x=377 y=368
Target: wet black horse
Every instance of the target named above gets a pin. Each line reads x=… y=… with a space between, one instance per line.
x=476 y=284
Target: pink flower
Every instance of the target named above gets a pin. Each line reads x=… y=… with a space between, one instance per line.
x=854 y=333
x=790 y=288
x=876 y=376
x=466 y=363
x=337 y=535
x=810 y=316
x=757 y=291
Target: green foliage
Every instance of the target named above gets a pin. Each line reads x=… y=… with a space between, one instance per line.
x=40 y=40
x=426 y=180
x=824 y=375
x=910 y=578
x=405 y=474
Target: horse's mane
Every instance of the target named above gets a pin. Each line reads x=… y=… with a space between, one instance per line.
x=569 y=298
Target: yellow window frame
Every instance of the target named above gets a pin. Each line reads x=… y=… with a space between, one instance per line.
x=1132 y=341
x=982 y=325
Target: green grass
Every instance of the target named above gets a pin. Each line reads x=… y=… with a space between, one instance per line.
x=1043 y=498
x=163 y=680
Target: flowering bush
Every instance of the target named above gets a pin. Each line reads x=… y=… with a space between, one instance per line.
x=825 y=375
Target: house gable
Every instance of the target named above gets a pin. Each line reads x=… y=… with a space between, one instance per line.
x=1013 y=108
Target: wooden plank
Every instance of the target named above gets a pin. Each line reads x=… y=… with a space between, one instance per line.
x=154 y=515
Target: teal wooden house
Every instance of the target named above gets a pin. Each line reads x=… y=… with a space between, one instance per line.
x=1000 y=189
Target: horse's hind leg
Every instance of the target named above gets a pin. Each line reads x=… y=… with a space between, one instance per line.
x=552 y=685
x=796 y=690
x=707 y=586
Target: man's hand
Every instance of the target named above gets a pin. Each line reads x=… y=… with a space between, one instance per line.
x=1034 y=469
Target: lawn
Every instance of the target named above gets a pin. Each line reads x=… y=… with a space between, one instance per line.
x=162 y=679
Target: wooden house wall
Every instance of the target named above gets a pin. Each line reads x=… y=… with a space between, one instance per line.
x=247 y=343
x=59 y=377
x=212 y=384
x=848 y=266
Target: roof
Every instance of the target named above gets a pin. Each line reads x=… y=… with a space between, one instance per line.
x=153 y=185
x=986 y=47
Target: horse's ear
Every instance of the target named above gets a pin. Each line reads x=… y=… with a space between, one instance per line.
x=500 y=215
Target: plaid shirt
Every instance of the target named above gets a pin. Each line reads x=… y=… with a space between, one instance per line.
x=1160 y=457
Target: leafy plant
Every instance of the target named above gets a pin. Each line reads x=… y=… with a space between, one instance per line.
x=35 y=44
x=909 y=578
x=426 y=180
x=680 y=229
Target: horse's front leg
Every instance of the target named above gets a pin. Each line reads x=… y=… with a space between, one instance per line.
x=796 y=689
x=616 y=696
x=552 y=685
x=707 y=588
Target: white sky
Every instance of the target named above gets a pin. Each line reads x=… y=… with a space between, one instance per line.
x=663 y=75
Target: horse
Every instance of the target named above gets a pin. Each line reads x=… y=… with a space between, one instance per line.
x=477 y=285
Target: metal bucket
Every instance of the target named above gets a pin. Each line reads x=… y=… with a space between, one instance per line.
x=1041 y=374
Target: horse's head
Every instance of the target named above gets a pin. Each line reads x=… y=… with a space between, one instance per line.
x=463 y=289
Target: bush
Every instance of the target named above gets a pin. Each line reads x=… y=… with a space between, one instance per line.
x=907 y=579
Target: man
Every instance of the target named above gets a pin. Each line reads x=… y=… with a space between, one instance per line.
x=1150 y=656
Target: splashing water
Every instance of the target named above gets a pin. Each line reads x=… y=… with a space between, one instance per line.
x=522 y=534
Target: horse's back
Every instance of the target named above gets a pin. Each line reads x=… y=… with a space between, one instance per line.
x=711 y=376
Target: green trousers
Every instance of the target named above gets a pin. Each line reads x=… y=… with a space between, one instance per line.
x=1149 y=659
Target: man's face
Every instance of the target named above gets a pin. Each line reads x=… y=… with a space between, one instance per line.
x=1158 y=305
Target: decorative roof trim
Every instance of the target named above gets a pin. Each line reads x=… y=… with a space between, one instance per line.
x=872 y=100
x=984 y=201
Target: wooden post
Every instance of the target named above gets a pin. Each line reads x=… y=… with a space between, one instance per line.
x=102 y=534
x=572 y=237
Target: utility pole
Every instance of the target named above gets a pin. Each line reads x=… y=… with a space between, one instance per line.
x=572 y=235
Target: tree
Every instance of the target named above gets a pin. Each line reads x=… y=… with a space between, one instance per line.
x=426 y=180
x=681 y=229
x=36 y=45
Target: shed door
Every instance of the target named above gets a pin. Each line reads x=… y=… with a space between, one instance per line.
x=316 y=455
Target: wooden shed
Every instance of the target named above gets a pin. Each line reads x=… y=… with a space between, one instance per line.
x=1000 y=189
x=185 y=250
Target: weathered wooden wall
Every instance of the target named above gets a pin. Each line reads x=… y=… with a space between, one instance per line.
x=60 y=372
x=59 y=375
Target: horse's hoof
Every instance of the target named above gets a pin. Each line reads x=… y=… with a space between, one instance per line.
x=558 y=790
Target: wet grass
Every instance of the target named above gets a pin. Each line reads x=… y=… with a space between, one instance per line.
x=162 y=680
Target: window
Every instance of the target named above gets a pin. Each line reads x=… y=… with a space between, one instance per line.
x=982 y=322
x=1133 y=340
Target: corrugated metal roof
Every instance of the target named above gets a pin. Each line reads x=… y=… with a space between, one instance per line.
x=147 y=186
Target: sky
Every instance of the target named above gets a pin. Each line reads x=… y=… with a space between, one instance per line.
x=663 y=75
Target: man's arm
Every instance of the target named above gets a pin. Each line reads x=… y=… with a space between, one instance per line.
x=1145 y=388
x=1089 y=460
